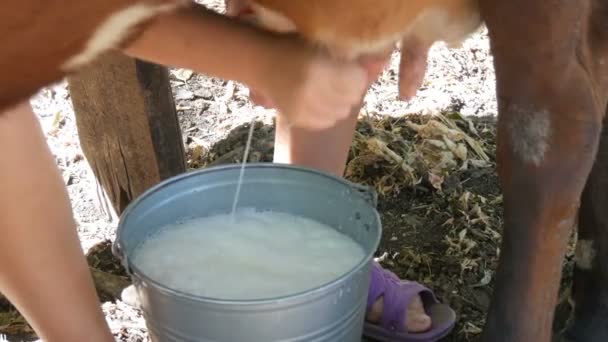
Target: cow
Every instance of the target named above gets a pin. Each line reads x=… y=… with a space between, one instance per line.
x=550 y=60
x=551 y=63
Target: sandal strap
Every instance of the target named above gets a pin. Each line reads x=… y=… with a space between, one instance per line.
x=376 y=285
x=397 y=295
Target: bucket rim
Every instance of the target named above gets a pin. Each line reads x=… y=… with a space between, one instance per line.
x=367 y=193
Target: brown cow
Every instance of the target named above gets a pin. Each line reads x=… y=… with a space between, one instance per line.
x=552 y=83
x=552 y=87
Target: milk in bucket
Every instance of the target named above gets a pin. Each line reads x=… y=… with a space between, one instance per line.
x=256 y=255
x=331 y=311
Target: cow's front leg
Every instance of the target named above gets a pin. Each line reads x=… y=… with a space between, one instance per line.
x=548 y=131
x=589 y=321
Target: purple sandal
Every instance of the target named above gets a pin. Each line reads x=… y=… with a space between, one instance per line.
x=397 y=293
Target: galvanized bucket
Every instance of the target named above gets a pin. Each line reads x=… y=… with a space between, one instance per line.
x=332 y=312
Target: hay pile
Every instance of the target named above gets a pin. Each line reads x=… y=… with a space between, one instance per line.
x=440 y=205
x=390 y=154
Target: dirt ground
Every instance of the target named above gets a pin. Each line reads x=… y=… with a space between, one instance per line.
x=431 y=160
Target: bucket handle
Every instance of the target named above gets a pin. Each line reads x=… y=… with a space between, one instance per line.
x=118 y=253
x=368 y=193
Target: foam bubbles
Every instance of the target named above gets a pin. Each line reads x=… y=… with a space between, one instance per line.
x=258 y=255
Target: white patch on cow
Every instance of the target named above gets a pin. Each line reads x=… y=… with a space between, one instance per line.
x=439 y=24
x=530 y=131
x=113 y=30
x=463 y=29
x=272 y=20
x=584 y=254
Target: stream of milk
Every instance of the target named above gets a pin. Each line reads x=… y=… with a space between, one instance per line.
x=242 y=171
x=255 y=255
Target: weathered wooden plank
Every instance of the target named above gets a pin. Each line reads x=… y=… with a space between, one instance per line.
x=127 y=125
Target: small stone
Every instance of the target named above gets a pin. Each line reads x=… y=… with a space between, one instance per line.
x=129 y=296
x=184 y=94
x=183 y=74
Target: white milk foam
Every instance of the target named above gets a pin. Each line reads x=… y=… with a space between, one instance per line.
x=258 y=255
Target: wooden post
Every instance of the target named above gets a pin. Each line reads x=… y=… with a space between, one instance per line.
x=128 y=126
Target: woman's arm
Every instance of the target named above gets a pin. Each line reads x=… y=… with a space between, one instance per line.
x=305 y=85
x=43 y=271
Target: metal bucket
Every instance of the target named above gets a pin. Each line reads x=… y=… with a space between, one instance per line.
x=332 y=312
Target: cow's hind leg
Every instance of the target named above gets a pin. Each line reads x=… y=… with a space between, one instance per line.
x=548 y=132
x=589 y=320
